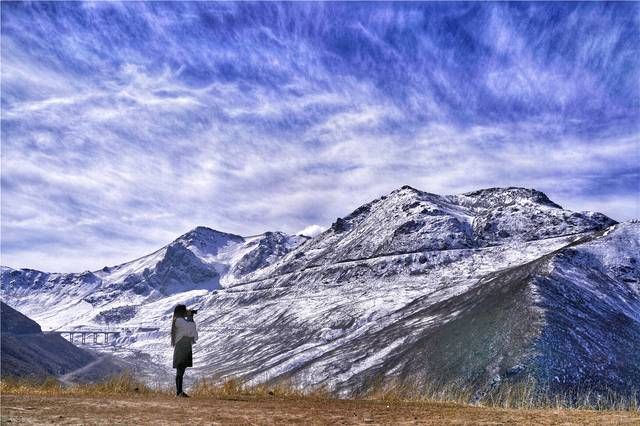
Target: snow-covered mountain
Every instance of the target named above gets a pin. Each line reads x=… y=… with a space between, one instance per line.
x=199 y=261
x=494 y=286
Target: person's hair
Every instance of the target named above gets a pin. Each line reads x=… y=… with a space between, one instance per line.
x=180 y=311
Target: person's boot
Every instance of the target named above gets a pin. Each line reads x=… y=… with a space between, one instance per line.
x=183 y=395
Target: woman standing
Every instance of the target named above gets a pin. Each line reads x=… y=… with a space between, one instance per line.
x=183 y=334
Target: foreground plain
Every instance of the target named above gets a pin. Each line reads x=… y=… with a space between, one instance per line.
x=163 y=409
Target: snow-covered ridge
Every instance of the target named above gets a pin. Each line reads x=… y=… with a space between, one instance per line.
x=202 y=259
x=410 y=221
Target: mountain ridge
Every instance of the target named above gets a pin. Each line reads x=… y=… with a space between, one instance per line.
x=198 y=230
x=406 y=288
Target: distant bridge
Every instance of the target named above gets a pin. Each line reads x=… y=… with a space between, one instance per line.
x=99 y=336
x=104 y=336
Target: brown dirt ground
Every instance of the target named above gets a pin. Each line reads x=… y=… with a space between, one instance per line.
x=159 y=410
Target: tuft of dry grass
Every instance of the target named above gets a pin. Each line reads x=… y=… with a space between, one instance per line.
x=116 y=385
x=231 y=388
x=525 y=394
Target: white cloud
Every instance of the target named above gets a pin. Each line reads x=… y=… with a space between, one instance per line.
x=311 y=230
x=107 y=167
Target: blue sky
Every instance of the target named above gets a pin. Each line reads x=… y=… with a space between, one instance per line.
x=125 y=125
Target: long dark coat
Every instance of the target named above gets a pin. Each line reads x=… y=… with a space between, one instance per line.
x=182 y=353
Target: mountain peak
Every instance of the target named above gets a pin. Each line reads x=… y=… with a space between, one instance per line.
x=511 y=195
x=500 y=195
x=202 y=234
x=406 y=189
x=409 y=188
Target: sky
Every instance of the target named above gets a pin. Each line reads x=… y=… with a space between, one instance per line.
x=124 y=125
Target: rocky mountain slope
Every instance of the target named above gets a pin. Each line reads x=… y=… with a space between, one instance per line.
x=412 y=289
x=27 y=352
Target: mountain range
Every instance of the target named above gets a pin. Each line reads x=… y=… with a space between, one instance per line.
x=477 y=290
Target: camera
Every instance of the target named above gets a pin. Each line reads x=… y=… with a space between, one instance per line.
x=189 y=314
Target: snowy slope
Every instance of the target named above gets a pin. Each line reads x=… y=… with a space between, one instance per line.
x=475 y=289
x=589 y=293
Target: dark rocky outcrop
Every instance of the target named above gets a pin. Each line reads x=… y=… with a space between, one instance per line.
x=27 y=352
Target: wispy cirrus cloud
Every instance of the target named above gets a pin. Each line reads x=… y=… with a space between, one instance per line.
x=126 y=124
